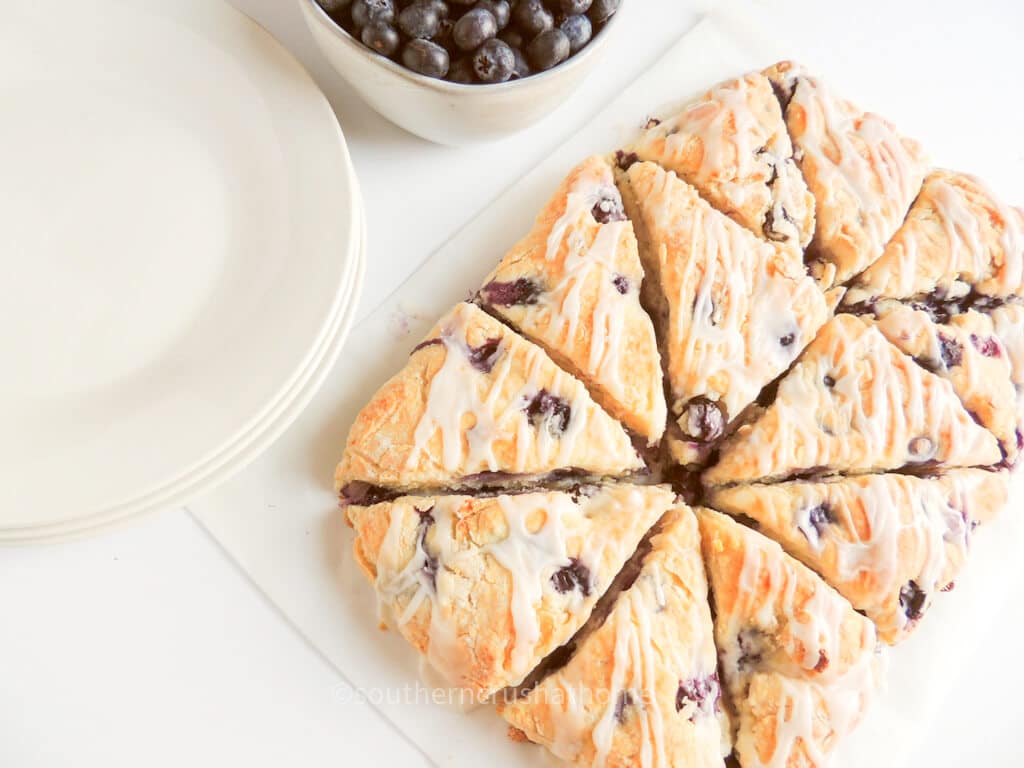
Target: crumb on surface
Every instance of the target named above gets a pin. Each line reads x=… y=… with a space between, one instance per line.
x=514 y=734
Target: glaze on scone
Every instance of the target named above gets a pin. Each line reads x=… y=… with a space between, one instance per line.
x=855 y=403
x=799 y=663
x=888 y=543
x=958 y=238
x=862 y=173
x=572 y=285
x=1008 y=322
x=642 y=687
x=733 y=311
x=473 y=399
x=966 y=351
x=485 y=588
x=732 y=145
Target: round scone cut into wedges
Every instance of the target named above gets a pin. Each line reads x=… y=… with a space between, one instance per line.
x=862 y=173
x=572 y=285
x=888 y=543
x=732 y=145
x=855 y=403
x=642 y=686
x=733 y=311
x=487 y=587
x=966 y=351
x=800 y=665
x=475 y=404
x=958 y=239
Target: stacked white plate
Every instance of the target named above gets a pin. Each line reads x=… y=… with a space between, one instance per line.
x=181 y=253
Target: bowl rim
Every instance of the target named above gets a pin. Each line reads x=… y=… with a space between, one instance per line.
x=446 y=86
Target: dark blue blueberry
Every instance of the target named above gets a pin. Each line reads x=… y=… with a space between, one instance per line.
x=818 y=519
x=705 y=692
x=621 y=283
x=574 y=576
x=499 y=9
x=334 y=6
x=420 y=21
x=921 y=448
x=425 y=344
x=989 y=347
x=494 y=62
x=430 y=564
x=829 y=381
x=462 y=71
x=381 y=37
x=425 y=57
x=625 y=159
x=951 y=351
x=703 y=420
x=485 y=356
x=573 y=7
x=522 y=68
x=550 y=410
x=513 y=37
x=622 y=705
x=787 y=340
x=602 y=10
x=579 y=31
x=608 y=208
x=912 y=600
x=366 y=11
x=521 y=292
x=532 y=17
x=473 y=28
x=548 y=49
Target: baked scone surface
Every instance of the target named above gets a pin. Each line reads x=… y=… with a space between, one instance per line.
x=765 y=305
x=642 y=687
x=572 y=285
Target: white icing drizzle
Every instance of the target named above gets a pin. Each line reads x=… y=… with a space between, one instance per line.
x=876 y=407
x=458 y=391
x=729 y=311
x=859 y=157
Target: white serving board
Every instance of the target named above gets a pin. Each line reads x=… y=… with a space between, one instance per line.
x=279 y=519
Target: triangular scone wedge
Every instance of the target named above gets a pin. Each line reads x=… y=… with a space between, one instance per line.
x=642 y=685
x=888 y=543
x=475 y=404
x=862 y=173
x=732 y=145
x=966 y=351
x=486 y=587
x=732 y=311
x=572 y=285
x=855 y=403
x=957 y=238
x=799 y=664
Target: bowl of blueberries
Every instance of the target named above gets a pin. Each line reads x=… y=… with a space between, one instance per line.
x=462 y=71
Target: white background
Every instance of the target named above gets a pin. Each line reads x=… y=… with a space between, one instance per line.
x=146 y=647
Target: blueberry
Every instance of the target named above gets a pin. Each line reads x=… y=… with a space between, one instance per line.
x=334 y=6
x=622 y=706
x=445 y=36
x=512 y=36
x=608 y=208
x=440 y=7
x=703 y=420
x=577 y=28
x=621 y=283
x=425 y=57
x=574 y=576
x=787 y=340
x=513 y=293
x=913 y=600
x=485 y=356
x=462 y=71
x=419 y=21
x=921 y=448
x=705 y=692
x=522 y=68
x=499 y=9
x=365 y=11
x=548 y=49
x=602 y=10
x=545 y=408
x=494 y=62
x=381 y=37
x=474 y=28
x=532 y=17
x=625 y=159
x=989 y=347
x=951 y=350
x=573 y=7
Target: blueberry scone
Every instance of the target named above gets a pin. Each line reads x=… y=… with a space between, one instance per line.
x=572 y=285
x=967 y=351
x=958 y=239
x=855 y=403
x=475 y=404
x=641 y=688
x=732 y=145
x=800 y=665
x=888 y=543
x=486 y=587
x=732 y=311
x=862 y=173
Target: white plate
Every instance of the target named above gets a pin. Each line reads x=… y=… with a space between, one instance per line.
x=177 y=221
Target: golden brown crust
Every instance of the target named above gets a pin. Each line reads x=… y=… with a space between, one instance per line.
x=572 y=285
x=486 y=587
x=862 y=173
x=642 y=688
x=477 y=398
x=854 y=403
x=732 y=145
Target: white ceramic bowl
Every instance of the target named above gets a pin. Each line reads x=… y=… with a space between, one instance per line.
x=444 y=112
